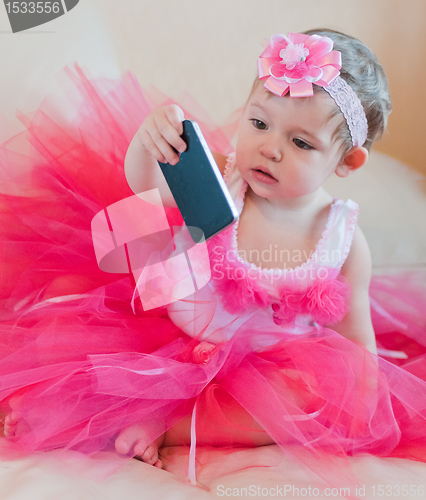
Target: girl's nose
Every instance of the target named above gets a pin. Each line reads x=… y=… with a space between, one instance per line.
x=272 y=150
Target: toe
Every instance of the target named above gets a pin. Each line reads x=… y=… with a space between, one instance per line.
x=9 y=426
x=150 y=455
x=129 y=438
x=12 y=418
x=124 y=443
x=141 y=449
x=122 y=446
x=158 y=464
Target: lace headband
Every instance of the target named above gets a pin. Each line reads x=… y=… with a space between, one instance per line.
x=294 y=62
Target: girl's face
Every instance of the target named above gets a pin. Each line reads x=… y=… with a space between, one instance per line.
x=285 y=145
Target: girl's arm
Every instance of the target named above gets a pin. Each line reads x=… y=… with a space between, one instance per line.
x=156 y=140
x=357 y=325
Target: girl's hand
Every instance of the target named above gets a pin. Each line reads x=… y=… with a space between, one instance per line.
x=157 y=139
x=160 y=134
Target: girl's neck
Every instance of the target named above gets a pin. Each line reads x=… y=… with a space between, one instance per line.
x=299 y=206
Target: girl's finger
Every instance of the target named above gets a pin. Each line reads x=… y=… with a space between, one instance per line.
x=150 y=146
x=161 y=147
x=169 y=132
x=175 y=116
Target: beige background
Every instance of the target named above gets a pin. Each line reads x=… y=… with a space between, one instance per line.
x=209 y=48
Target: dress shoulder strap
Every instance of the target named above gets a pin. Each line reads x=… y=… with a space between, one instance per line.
x=338 y=236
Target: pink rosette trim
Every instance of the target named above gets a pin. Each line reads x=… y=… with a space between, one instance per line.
x=325 y=300
x=242 y=293
x=203 y=352
x=239 y=290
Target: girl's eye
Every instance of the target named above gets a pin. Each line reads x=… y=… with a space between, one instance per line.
x=259 y=124
x=302 y=144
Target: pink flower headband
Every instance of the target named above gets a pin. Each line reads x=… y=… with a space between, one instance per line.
x=294 y=62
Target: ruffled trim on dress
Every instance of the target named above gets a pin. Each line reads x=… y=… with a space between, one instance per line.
x=229 y=166
x=326 y=301
x=351 y=226
x=241 y=293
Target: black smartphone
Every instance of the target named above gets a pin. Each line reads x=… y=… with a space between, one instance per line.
x=198 y=187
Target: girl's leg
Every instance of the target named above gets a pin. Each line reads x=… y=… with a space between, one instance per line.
x=180 y=434
x=229 y=425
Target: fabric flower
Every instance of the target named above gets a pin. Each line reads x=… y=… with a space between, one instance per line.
x=293 y=54
x=325 y=300
x=241 y=292
x=202 y=352
x=239 y=289
x=294 y=62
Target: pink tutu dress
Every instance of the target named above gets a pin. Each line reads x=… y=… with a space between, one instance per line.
x=80 y=359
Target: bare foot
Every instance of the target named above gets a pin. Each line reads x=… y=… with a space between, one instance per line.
x=134 y=440
x=14 y=425
x=10 y=424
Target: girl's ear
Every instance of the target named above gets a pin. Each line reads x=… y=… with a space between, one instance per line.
x=353 y=160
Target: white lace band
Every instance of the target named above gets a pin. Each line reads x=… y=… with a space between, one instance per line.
x=351 y=107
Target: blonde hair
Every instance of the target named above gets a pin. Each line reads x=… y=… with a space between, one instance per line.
x=363 y=72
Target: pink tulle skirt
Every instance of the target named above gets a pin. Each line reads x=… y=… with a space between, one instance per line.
x=79 y=365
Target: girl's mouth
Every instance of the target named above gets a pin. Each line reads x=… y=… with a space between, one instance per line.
x=263 y=176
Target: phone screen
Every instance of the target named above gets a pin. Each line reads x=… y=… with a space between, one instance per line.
x=198 y=187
